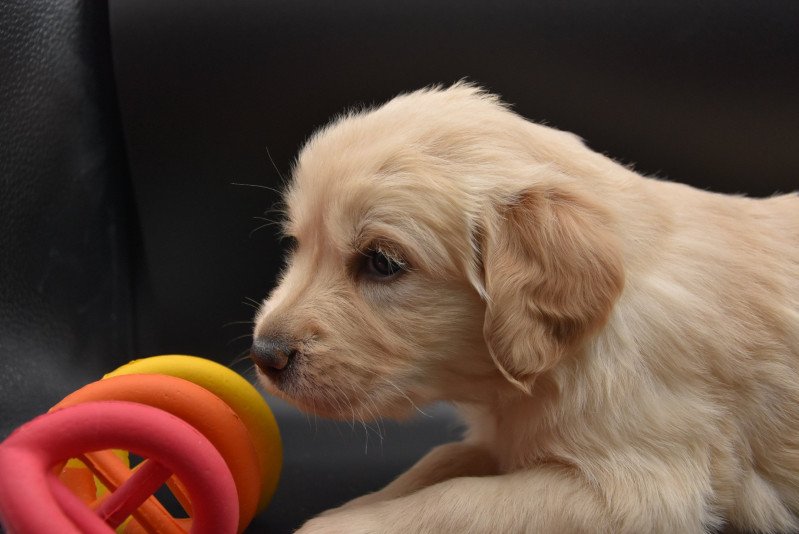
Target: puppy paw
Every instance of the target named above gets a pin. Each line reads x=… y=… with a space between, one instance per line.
x=339 y=521
x=364 y=500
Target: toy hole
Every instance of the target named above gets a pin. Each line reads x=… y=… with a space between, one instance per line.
x=165 y=494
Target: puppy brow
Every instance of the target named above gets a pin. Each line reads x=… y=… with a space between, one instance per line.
x=287 y=228
x=365 y=238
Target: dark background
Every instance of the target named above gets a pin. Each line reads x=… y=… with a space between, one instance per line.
x=702 y=92
x=124 y=127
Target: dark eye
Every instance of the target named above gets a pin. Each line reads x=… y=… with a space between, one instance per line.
x=380 y=266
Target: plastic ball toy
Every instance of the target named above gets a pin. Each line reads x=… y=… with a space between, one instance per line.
x=200 y=428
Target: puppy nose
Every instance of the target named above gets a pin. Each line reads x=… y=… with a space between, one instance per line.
x=271 y=354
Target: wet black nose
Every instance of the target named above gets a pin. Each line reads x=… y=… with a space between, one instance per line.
x=271 y=355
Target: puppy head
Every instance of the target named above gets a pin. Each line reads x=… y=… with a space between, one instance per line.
x=437 y=257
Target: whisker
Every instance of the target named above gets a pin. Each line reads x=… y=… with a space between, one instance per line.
x=269 y=154
x=258 y=186
x=242 y=356
x=394 y=385
x=252 y=303
x=345 y=398
x=406 y=397
x=267 y=219
x=374 y=415
x=315 y=418
x=366 y=437
x=305 y=412
x=238 y=338
x=260 y=228
x=307 y=393
x=250 y=370
x=233 y=323
x=338 y=409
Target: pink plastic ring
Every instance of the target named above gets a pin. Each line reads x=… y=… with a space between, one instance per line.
x=32 y=500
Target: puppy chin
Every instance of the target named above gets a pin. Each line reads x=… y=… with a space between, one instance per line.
x=287 y=389
x=334 y=403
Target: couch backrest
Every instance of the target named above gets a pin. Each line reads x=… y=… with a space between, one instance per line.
x=64 y=277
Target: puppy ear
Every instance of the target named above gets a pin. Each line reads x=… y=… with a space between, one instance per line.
x=552 y=271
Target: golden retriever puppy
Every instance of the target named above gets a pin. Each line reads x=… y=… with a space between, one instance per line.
x=624 y=350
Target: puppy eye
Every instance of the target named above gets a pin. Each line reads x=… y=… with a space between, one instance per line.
x=381 y=267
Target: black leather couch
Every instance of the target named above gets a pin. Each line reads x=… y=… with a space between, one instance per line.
x=125 y=127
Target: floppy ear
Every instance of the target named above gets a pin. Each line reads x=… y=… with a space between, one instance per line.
x=552 y=272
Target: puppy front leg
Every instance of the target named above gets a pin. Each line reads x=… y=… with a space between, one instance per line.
x=442 y=463
x=545 y=499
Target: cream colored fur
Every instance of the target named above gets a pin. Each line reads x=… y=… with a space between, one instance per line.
x=624 y=350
